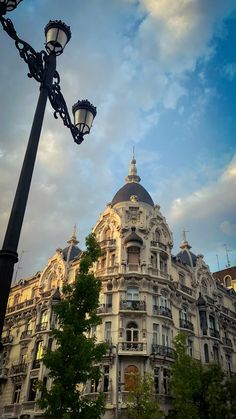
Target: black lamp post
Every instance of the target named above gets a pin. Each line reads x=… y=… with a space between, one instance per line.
x=42 y=67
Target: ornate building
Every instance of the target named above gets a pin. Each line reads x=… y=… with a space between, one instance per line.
x=148 y=296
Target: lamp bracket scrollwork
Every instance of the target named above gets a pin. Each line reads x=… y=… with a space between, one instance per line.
x=60 y=108
x=34 y=60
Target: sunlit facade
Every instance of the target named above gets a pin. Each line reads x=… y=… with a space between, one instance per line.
x=148 y=295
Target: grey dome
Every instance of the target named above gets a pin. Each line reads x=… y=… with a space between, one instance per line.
x=132 y=189
x=73 y=252
x=187 y=258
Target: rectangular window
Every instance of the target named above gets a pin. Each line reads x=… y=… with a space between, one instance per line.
x=109 y=300
x=16 y=394
x=155 y=337
x=132 y=294
x=216 y=354
x=105 y=378
x=164 y=302
x=190 y=347
x=212 y=322
x=112 y=260
x=166 y=377
x=32 y=389
x=157 y=380
x=108 y=331
x=165 y=336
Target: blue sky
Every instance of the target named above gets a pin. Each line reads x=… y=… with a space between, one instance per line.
x=163 y=77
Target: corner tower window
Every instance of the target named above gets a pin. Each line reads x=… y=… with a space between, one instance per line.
x=133 y=255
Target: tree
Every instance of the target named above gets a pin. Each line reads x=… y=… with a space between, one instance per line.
x=76 y=357
x=185 y=381
x=213 y=395
x=142 y=402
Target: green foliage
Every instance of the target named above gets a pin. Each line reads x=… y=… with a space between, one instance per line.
x=200 y=391
x=76 y=357
x=185 y=381
x=142 y=402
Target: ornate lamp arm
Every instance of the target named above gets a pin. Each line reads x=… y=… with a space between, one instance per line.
x=34 y=60
x=60 y=108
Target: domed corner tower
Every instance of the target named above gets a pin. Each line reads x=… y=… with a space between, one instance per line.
x=135 y=310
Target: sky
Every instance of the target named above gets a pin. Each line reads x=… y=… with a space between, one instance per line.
x=162 y=75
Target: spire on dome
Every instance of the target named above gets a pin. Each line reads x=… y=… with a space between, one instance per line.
x=185 y=244
x=73 y=240
x=132 y=176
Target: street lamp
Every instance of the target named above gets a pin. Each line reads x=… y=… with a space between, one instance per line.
x=42 y=67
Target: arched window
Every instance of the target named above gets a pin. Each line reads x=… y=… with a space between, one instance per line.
x=227 y=280
x=131 y=375
x=206 y=353
x=107 y=234
x=16 y=299
x=157 y=236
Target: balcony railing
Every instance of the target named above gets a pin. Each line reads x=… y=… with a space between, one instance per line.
x=158 y=244
x=7 y=339
x=210 y=300
x=132 y=267
x=3 y=373
x=18 y=369
x=133 y=305
x=162 y=311
x=132 y=347
x=108 y=242
x=214 y=333
x=227 y=342
x=185 y=289
x=161 y=350
x=26 y=334
x=104 y=308
x=20 y=306
x=41 y=327
x=185 y=324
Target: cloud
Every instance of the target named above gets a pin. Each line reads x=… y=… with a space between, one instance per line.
x=228 y=228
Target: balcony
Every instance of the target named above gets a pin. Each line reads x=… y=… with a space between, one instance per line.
x=210 y=300
x=162 y=311
x=104 y=308
x=185 y=324
x=134 y=305
x=7 y=340
x=108 y=243
x=26 y=335
x=20 y=306
x=158 y=244
x=214 y=333
x=185 y=289
x=163 y=351
x=3 y=374
x=41 y=327
x=136 y=348
x=46 y=294
x=133 y=267
x=18 y=369
x=227 y=342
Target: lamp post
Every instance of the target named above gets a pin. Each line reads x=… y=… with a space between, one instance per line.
x=42 y=67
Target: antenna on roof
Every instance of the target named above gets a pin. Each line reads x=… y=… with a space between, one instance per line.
x=184 y=234
x=227 y=256
x=133 y=152
x=217 y=258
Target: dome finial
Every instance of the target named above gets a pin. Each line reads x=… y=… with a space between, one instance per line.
x=132 y=176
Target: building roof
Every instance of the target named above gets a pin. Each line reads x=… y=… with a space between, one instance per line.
x=132 y=190
x=220 y=275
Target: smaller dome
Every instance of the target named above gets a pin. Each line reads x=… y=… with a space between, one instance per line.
x=185 y=256
x=133 y=237
x=71 y=251
x=201 y=301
